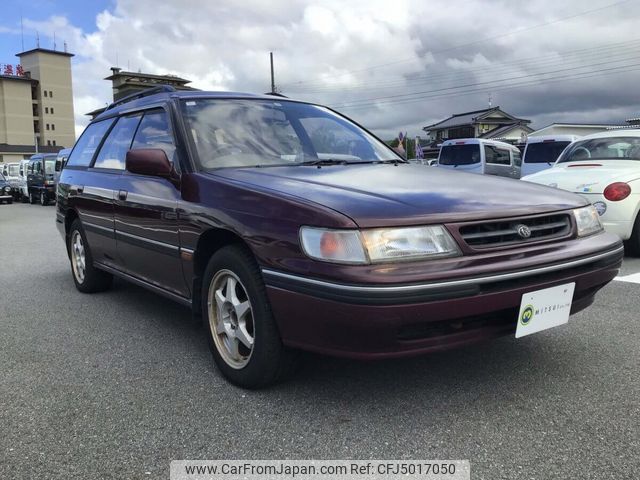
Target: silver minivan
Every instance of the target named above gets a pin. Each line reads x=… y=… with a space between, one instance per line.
x=477 y=155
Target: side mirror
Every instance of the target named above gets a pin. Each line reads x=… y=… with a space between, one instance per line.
x=149 y=161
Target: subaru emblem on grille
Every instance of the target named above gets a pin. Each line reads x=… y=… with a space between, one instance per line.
x=523 y=231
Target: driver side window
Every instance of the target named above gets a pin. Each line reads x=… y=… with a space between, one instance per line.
x=154 y=132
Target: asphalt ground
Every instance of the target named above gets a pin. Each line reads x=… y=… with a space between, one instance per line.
x=118 y=384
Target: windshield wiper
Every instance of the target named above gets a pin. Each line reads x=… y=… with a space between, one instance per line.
x=324 y=161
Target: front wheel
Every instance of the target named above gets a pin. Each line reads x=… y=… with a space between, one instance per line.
x=88 y=279
x=241 y=330
x=32 y=198
x=44 y=201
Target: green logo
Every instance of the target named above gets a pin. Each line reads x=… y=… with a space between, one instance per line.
x=527 y=315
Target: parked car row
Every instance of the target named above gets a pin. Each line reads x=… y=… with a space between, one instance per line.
x=34 y=180
x=603 y=168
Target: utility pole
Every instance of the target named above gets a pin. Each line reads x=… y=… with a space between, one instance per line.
x=273 y=82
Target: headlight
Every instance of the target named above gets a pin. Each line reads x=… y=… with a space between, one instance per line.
x=7 y=189
x=377 y=245
x=587 y=220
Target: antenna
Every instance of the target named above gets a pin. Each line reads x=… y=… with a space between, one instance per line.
x=273 y=83
x=37 y=39
x=65 y=46
x=117 y=65
x=490 y=98
x=54 y=41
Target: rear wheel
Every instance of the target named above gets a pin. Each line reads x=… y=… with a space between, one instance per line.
x=32 y=198
x=241 y=330
x=44 y=201
x=87 y=278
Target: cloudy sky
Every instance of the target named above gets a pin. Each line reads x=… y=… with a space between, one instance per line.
x=390 y=65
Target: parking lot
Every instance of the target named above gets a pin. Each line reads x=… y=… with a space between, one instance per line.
x=118 y=384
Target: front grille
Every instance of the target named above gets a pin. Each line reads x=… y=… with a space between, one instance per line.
x=506 y=232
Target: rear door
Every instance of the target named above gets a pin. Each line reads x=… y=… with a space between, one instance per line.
x=146 y=213
x=91 y=193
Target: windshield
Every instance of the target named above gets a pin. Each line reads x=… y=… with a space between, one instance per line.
x=544 y=152
x=14 y=170
x=250 y=133
x=612 y=148
x=459 y=155
x=2 y=177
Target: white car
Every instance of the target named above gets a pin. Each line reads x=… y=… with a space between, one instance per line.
x=604 y=168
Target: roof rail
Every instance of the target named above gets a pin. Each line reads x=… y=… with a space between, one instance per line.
x=144 y=93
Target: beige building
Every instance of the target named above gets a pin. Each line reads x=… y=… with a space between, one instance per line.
x=36 y=105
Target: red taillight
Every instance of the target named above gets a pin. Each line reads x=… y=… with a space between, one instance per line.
x=617 y=191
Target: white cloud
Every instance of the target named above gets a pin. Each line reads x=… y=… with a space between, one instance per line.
x=324 y=52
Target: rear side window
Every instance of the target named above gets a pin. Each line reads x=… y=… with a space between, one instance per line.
x=459 y=154
x=496 y=156
x=154 y=132
x=88 y=143
x=115 y=147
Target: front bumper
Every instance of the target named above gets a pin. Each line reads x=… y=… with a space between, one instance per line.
x=368 y=321
x=4 y=198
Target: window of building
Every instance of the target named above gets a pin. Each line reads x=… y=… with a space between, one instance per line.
x=51 y=110
x=45 y=93
x=496 y=156
x=46 y=109
x=114 y=149
x=54 y=142
x=155 y=132
x=49 y=143
x=47 y=127
x=50 y=94
x=88 y=143
x=53 y=126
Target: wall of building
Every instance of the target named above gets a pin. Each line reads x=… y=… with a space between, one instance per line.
x=55 y=94
x=16 y=112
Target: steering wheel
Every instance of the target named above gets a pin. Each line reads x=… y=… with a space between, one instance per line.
x=582 y=148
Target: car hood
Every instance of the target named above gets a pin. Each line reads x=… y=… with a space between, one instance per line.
x=383 y=194
x=591 y=176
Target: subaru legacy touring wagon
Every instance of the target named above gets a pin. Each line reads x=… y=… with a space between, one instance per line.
x=285 y=226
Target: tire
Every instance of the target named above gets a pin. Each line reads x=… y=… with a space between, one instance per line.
x=86 y=277
x=44 y=201
x=267 y=360
x=32 y=198
x=632 y=246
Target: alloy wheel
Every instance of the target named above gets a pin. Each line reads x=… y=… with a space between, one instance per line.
x=78 y=258
x=231 y=319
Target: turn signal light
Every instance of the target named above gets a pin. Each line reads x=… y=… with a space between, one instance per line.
x=617 y=191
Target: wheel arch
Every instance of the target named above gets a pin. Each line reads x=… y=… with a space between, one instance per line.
x=208 y=244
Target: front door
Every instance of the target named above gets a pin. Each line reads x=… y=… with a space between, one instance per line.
x=146 y=219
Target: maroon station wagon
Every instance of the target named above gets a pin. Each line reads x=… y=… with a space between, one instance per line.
x=286 y=226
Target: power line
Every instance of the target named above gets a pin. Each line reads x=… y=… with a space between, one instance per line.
x=595 y=53
x=602 y=72
x=486 y=83
x=475 y=42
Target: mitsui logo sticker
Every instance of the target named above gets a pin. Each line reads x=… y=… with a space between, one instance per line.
x=527 y=315
x=544 y=309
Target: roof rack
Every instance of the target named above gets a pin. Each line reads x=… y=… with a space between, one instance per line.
x=145 y=93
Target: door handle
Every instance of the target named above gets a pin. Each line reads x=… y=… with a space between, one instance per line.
x=122 y=195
